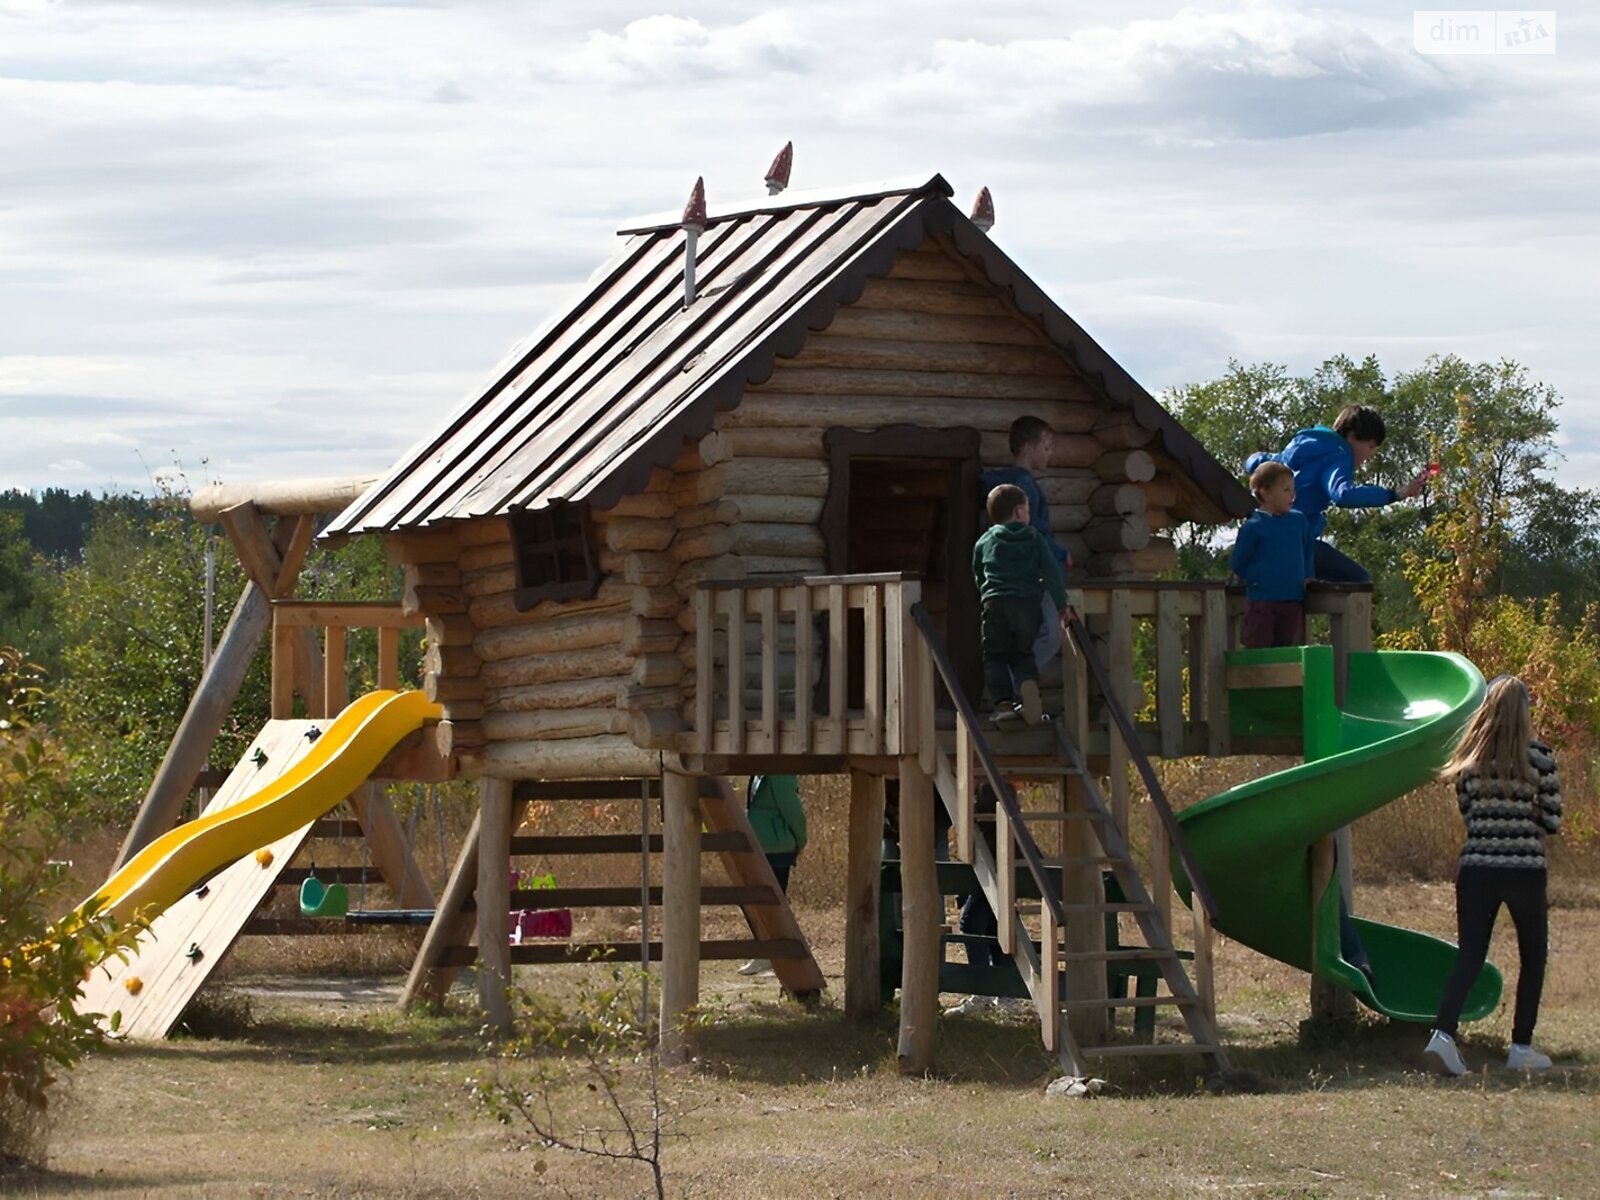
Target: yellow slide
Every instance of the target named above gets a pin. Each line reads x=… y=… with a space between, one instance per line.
x=339 y=762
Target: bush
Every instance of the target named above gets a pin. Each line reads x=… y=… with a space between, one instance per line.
x=41 y=1031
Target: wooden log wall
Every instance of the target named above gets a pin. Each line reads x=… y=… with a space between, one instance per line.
x=933 y=346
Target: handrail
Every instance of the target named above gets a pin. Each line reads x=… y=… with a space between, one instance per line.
x=1002 y=789
x=1130 y=738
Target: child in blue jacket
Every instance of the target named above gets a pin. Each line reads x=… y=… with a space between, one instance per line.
x=1324 y=462
x=1275 y=557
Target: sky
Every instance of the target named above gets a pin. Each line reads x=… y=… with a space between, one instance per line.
x=244 y=240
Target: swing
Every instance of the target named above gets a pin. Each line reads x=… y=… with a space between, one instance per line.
x=330 y=902
x=385 y=916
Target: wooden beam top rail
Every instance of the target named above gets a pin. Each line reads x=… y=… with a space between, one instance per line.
x=344 y=614
x=776 y=581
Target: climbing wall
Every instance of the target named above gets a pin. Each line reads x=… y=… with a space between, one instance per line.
x=187 y=942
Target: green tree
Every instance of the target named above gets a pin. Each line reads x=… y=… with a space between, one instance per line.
x=1554 y=532
x=41 y=1030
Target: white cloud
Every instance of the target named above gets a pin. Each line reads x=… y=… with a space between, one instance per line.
x=273 y=237
x=671 y=49
x=1252 y=73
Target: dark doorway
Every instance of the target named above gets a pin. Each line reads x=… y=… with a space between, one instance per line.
x=906 y=499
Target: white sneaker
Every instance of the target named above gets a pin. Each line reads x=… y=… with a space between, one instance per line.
x=1446 y=1054
x=756 y=966
x=1032 y=705
x=1526 y=1058
x=1005 y=712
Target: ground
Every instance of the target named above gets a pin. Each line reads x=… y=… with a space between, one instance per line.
x=327 y=1092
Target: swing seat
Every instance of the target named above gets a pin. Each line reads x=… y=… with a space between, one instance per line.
x=320 y=900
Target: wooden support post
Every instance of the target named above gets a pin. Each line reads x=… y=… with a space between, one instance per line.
x=1121 y=670
x=1085 y=934
x=285 y=640
x=863 y=975
x=494 y=901
x=202 y=722
x=335 y=672
x=453 y=924
x=390 y=852
x=388 y=657
x=804 y=649
x=1205 y=983
x=680 y=905
x=1328 y=1000
x=1219 y=742
x=1160 y=872
x=1169 y=674
x=921 y=910
x=966 y=822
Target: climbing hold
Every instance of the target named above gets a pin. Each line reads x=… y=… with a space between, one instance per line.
x=313 y=734
x=134 y=984
x=259 y=757
x=194 y=954
x=264 y=857
x=203 y=890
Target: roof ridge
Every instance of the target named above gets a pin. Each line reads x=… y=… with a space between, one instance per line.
x=792 y=199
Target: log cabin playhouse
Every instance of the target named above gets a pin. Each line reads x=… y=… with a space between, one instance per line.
x=722 y=524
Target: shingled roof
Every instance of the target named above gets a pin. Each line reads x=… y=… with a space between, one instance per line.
x=615 y=385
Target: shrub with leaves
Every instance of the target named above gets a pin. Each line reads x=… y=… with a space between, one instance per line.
x=41 y=966
x=587 y=1080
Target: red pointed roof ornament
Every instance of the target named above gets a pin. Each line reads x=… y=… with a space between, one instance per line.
x=982 y=214
x=694 y=213
x=778 y=172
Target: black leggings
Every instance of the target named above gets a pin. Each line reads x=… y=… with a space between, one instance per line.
x=1480 y=891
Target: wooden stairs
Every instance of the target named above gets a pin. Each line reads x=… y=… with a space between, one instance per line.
x=775 y=933
x=1058 y=942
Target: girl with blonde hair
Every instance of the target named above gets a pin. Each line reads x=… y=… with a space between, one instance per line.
x=1510 y=798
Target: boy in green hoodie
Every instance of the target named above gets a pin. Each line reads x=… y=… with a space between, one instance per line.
x=1013 y=568
x=779 y=821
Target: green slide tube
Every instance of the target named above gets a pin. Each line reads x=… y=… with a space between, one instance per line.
x=1401 y=715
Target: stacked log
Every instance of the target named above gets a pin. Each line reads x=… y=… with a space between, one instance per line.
x=555 y=672
x=434 y=588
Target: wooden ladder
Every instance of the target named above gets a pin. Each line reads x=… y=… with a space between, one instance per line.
x=776 y=934
x=1043 y=963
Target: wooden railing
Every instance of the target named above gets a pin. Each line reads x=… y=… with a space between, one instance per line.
x=321 y=673
x=1194 y=626
x=774 y=660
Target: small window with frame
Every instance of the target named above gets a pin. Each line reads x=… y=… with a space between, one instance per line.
x=555 y=555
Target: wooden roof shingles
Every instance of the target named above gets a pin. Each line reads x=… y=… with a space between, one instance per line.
x=614 y=386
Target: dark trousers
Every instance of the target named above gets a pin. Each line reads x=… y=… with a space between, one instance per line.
x=1273 y=623
x=1333 y=567
x=781 y=865
x=977 y=917
x=1010 y=625
x=1480 y=891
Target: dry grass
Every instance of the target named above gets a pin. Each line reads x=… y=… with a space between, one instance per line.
x=347 y=1099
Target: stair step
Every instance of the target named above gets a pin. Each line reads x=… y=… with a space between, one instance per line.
x=1029 y=814
x=1108 y=907
x=548 y=953
x=1082 y=860
x=1145 y=1050
x=1147 y=953
x=614 y=843
x=1130 y=1002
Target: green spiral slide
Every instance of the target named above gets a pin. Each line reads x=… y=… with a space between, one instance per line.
x=1401 y=714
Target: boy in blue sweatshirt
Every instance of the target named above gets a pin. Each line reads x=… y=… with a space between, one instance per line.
x=1014 y=568
x=1324 y=462
x=1275 y=556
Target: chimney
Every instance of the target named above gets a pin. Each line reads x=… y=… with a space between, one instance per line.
x=778 y=172
x=982 y=214
x=693 y=225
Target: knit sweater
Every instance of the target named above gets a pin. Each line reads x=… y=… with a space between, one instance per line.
x=1507 y=820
